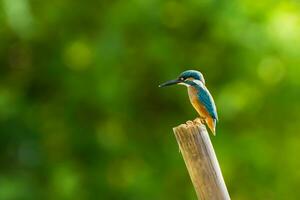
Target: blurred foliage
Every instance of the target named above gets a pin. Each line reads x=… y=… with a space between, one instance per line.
x=81 y=116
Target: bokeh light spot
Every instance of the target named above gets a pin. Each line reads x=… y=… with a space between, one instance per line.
x=237 y=97
x=284 y=27
x=65 y=181
x=19 y=16
x=110 y=135
x=271 y=71
x=78 y=55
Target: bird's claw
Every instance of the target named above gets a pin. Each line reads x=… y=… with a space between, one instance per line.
x=199 y=121
x=190 y=122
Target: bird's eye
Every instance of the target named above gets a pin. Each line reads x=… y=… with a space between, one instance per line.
x=182 y=79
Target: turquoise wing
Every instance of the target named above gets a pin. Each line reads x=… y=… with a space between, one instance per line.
x=208 y=102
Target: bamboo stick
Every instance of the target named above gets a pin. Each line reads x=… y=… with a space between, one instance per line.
x=201 y=161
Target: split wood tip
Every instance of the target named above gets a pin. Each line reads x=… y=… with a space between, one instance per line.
x=190 y=124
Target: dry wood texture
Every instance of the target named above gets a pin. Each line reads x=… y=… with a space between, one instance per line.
x=201 y=161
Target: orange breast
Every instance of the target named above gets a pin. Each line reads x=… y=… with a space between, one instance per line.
x=201 y=109
x=193 y=95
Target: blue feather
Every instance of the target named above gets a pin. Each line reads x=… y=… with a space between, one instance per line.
x=207 y=100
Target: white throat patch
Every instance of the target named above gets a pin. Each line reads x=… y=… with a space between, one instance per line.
x=200 y=83
x=184 y=84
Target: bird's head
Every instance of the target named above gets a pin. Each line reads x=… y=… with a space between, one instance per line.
x=185 y=78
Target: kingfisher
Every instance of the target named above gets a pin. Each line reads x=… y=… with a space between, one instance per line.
x=199 y=96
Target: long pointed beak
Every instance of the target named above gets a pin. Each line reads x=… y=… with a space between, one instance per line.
x=171 y=82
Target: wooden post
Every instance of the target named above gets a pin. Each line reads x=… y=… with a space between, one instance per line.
x=201 y=161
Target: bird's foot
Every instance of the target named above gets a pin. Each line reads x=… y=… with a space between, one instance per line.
x=189 y=123
x=199 y=120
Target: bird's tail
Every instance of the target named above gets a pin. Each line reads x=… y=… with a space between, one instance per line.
x=211 y=123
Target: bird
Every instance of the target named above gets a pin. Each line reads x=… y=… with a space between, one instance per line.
x=199 y=96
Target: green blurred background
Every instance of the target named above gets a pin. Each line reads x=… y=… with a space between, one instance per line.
x=81 y=116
